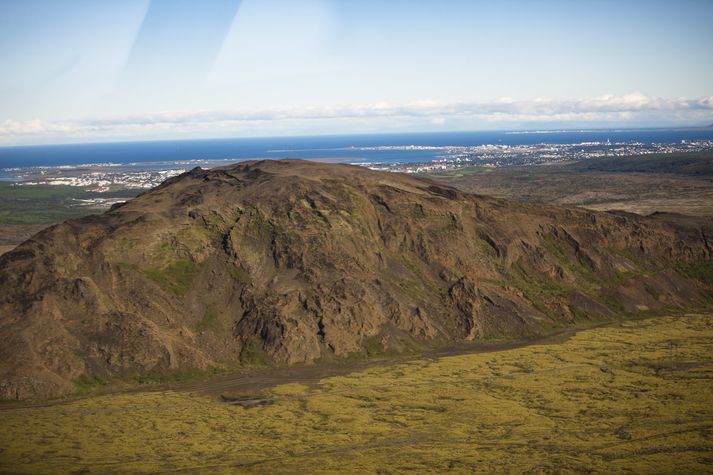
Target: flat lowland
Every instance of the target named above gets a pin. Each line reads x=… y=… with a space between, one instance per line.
x=26 y=210
x=671 y=183
x=632 y=396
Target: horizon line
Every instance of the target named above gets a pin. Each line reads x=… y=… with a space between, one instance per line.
x=538 y=130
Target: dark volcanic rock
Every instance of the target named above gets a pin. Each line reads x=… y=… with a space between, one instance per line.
x=293 y=261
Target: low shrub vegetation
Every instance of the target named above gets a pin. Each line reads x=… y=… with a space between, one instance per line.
x=634 y=396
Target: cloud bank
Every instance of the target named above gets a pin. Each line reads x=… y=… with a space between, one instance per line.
x=608 y=110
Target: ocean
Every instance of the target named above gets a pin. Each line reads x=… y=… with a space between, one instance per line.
x=343 y=148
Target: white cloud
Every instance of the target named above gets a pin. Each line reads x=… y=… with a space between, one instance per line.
x=630 y=109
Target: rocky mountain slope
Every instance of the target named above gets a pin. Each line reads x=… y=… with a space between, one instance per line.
x=293 y=261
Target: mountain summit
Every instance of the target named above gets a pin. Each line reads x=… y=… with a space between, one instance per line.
x=292 y=261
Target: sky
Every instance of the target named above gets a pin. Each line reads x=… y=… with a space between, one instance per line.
x=88 y=71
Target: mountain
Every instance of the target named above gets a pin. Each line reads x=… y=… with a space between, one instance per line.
x=293 y=262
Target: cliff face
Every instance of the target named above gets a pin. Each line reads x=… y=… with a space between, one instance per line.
x=293 y=261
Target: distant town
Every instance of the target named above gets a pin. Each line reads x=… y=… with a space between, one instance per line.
x=105 y=177
x=536 y=154
x=104 y=180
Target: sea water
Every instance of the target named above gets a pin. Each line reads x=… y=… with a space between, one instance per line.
x=341 y=148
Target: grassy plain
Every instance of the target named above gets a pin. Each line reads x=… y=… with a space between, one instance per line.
x=678 y=183
x=636 y=396
x=27 y=209
x=47 y=204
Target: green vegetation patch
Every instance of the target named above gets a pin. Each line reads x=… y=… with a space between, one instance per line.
x=214 y=219
x=579 y=315
x=538 y=289
x=486 y=247
x=210 y=320
x=258 y=224
x=636 y=259
x=417 y=211
x=93 y=385
x=613 y=303
x=172 y=376
x=419 y=278
x=253 y=355
x=175 y=277
x=701 y=270
x=47 y=204
x=651 y=290
x=585 y=275
x=239 y=275
x=86 y=384
x=587 y=279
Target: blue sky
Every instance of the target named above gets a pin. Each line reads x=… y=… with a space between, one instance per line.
x=138 y=69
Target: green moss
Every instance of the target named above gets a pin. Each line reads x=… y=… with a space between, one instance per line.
x=652 y=291
x=253 y=355
x=634 y=258
x=613 y=303
x=214 y=219
x=130 y=266
x=538 y=289
x=587 y=279
x=579 y=315
x=173 y=376
x=701 y=270
x=210 y=320
x=9 y=401
x=176 y=277
x=486 y=247
x=200 y=233
x=548 y=242
x=193 y=238
x=86 y=384
x=373 y=347
x=258 y=224
x=419 y=279
x=617 y=278
x=169 y=245
x=239 y=275
x=585 y=275
x=417 y=212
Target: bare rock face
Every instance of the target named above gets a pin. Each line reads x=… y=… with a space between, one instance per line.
x=292 y=261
